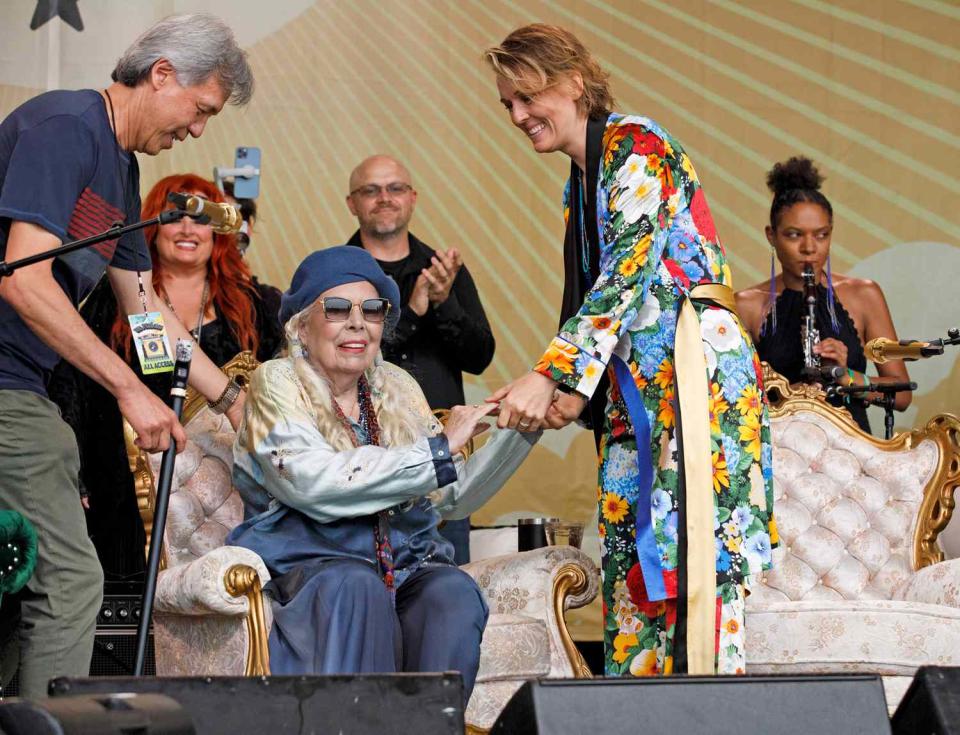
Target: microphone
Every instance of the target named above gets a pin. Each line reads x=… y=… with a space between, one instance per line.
x=881 y=349
x=181 y=371
x=224 y=218
x=825 y=373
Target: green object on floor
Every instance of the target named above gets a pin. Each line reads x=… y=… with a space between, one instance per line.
x=18 y=551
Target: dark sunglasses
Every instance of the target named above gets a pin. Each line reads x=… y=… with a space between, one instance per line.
x=337 y=309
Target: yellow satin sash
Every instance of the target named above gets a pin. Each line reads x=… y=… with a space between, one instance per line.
x=694 y=391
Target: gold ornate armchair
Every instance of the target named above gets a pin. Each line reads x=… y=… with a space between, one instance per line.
x=211 y=617
x=859 y=583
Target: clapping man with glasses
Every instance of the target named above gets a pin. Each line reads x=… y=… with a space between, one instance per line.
x=443 y=330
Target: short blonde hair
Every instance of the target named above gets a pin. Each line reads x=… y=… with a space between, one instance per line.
x=538 y=56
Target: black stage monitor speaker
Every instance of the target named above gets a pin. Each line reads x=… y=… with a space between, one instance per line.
x=106 y=714
x=363 y=704
x=932 y=703
x=695 y=705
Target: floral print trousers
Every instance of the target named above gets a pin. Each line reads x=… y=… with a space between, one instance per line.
x=639 y=639
x=639 y=634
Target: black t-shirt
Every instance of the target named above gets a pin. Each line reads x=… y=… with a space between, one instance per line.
x=394 y=268
x=62 y=169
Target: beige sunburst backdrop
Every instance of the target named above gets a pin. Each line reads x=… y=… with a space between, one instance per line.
x=870 y=89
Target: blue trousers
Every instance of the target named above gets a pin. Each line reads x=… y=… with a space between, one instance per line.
x=340 y=621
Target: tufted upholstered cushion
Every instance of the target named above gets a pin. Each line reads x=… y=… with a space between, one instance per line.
x=846 y=512
x=203 y=506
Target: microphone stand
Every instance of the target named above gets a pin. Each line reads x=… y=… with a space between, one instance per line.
x=178 y=392
x=115 y=232
x=888 y=391
x=886 y=399
x=952 y=338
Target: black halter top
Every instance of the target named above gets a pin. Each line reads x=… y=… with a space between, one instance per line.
x=783 y=349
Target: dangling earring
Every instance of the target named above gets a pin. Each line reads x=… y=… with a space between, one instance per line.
x=831 y=304
x=297 y=349
x=772 y=299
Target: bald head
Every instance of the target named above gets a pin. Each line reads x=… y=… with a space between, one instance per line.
x=382 y=198
x=377 y=167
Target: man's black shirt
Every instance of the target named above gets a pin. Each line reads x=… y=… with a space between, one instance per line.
x=449 y=339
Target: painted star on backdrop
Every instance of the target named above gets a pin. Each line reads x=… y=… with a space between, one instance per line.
x=49 y=9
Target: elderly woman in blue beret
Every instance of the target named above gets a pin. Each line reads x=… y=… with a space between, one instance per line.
x=345 y=475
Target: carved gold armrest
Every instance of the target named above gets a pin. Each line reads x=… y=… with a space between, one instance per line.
x=243 y=580
x=571 y=581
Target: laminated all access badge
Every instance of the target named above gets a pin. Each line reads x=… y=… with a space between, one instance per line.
x=150 y=337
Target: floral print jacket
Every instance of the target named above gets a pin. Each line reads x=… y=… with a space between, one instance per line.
x=658 y=241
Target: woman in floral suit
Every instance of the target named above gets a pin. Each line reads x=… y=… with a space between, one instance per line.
x=685 y=513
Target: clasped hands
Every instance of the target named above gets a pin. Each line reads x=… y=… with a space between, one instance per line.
x=534 y=402
x=527 y=404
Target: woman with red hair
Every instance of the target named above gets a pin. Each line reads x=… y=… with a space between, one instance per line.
x=205 y=281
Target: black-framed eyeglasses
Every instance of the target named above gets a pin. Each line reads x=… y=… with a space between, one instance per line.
x=393 y=189
x=338 y=309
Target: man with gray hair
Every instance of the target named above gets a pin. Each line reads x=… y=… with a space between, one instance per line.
x=68 y=170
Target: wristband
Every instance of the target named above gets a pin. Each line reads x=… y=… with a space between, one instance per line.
x=853 y=381
x=227 y=398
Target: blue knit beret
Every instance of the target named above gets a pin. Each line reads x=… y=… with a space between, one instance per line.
x=324 y=269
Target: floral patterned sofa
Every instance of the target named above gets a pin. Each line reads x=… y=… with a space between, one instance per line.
x=859 y=582
x=212 y=619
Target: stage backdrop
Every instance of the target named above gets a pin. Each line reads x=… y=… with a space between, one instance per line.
x=870 y=89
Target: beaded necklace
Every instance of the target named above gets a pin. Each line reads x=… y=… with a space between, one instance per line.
x=370 y=428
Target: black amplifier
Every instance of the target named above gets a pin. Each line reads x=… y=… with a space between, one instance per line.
x=115 y=645
x=121 y=605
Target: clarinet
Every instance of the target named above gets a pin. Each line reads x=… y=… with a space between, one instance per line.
x=809 y=334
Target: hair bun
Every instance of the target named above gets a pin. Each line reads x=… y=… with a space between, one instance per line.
x=796 y=173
